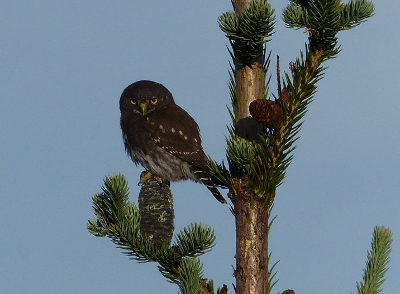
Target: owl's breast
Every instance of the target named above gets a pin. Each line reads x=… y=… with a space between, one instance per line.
x=167 y=166
x=144 y=140
x=135 y=135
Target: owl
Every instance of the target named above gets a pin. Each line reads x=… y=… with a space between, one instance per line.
x=161 y=136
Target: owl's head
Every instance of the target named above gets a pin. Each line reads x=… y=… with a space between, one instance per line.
x=144 y=97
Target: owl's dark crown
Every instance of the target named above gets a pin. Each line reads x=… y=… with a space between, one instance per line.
x=145 y=94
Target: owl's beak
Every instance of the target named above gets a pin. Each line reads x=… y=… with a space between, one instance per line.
x=144 y=107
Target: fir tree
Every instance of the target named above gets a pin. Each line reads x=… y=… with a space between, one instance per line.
x=259 y=149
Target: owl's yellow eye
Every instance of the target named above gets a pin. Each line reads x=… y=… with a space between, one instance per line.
x=154 y=101
x=133 y=101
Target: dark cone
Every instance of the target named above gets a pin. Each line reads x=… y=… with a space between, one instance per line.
x=267 y=112
x=156 y=208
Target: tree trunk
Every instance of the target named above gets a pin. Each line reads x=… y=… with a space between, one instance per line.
x=251 y=246
x=250 y=211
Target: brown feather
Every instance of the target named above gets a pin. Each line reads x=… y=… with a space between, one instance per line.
x=161 y=136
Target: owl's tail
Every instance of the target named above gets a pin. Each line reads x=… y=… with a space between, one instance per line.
x=205 y=178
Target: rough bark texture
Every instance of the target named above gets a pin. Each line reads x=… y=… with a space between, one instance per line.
x=251 y=215
x=240 y=5
x=249 y=86
x=251 y=247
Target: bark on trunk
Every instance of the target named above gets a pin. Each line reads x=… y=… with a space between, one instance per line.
x=251 y=247
x=251 y=215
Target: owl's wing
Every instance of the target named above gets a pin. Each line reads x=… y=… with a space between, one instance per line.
x=174 y=130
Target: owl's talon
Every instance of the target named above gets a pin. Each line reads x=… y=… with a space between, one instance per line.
x=146 y=175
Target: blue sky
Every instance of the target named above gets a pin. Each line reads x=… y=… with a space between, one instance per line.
x=64 y=65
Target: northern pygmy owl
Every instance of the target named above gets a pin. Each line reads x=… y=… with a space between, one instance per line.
x=161 y=136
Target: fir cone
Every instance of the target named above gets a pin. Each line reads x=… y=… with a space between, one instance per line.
x=157 y=210
x=267 y=112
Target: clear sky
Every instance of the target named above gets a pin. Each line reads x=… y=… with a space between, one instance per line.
x=63 y=67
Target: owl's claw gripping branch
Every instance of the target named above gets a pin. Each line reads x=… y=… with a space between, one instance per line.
x=146 y=175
